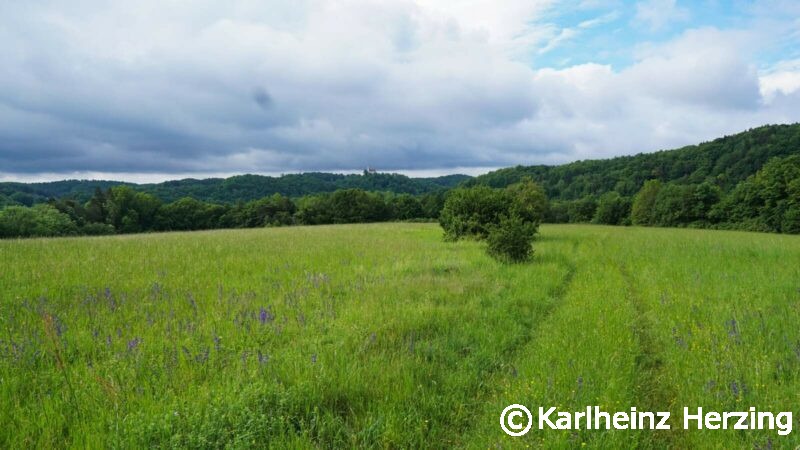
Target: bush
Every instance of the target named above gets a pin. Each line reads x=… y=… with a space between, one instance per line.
x=39 y=220
x=511 y=240
x=528 y=201
x=470 y=212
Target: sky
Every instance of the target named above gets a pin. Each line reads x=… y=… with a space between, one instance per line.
x=151 y=90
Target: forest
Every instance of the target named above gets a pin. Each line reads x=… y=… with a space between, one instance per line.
x=748 y=181
x=230 y=190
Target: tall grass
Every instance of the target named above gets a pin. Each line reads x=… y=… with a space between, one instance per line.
x=385 y=336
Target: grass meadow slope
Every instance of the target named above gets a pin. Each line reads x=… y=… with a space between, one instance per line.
x=386 y=336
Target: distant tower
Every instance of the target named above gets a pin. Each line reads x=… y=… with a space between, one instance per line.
x=371 y=169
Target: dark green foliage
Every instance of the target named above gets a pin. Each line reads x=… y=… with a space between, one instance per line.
x=511 y=239
x=723 y=162
x=644 y=203
x=558 y=212
x=237 y=188
x=39 y=220
x=612 y=209
x=406 y=207
x=432 y=204
x=189 y=214
x=344 y=206
x=528 y=201
x=31 y=193
x=507 y=219
x=6 y=201
x=276 y=210
x=95 y=209
x=704 y=197
x=674 y=205
x=469 y=212
x=767 y=201
x=130 y=211
x=72 y=208
x=96 y=229
x=357 y=206
x=582 y=210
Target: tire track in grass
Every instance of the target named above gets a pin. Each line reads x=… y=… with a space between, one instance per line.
x=583 y=355
x=555 y=296
x=652 y=394
x=538 y=308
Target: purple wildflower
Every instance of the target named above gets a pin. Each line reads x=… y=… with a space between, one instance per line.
x=265 y=315
x=59 y=326
x=733 y=329
x=133 y=344
x=202 y=357
x=217 y=343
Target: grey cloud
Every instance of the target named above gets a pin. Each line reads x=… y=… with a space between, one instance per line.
x=262 y=98
x=245 y=87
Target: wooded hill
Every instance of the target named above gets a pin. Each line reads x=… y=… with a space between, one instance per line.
x=724 y=162
x=233 y=189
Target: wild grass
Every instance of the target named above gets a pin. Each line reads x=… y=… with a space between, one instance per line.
x=386 y=336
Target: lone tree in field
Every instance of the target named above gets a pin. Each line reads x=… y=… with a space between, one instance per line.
x=508 y=219
x=467 y=212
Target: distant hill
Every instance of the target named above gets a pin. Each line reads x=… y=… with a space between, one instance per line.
x=233 y=189
x=725 y=162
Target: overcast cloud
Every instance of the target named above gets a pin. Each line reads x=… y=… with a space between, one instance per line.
x=158 y=89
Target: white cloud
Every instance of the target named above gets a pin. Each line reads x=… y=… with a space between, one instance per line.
x=269 y=87
x=600 y=20
x=657 y=14
x=781 y=80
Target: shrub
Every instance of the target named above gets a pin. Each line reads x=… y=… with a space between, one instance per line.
x=528 y=201
x=39 y=220
x=511 y=240
x=469 y=212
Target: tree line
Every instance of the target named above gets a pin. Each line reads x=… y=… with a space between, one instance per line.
x=122 y=209
x=767 y=201
x=747 y=181
x=233 y=189
x=724 y=162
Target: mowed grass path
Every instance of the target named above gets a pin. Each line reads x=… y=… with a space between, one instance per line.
x=385 y=336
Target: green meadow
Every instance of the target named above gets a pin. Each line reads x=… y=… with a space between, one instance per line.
x=385 y=336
